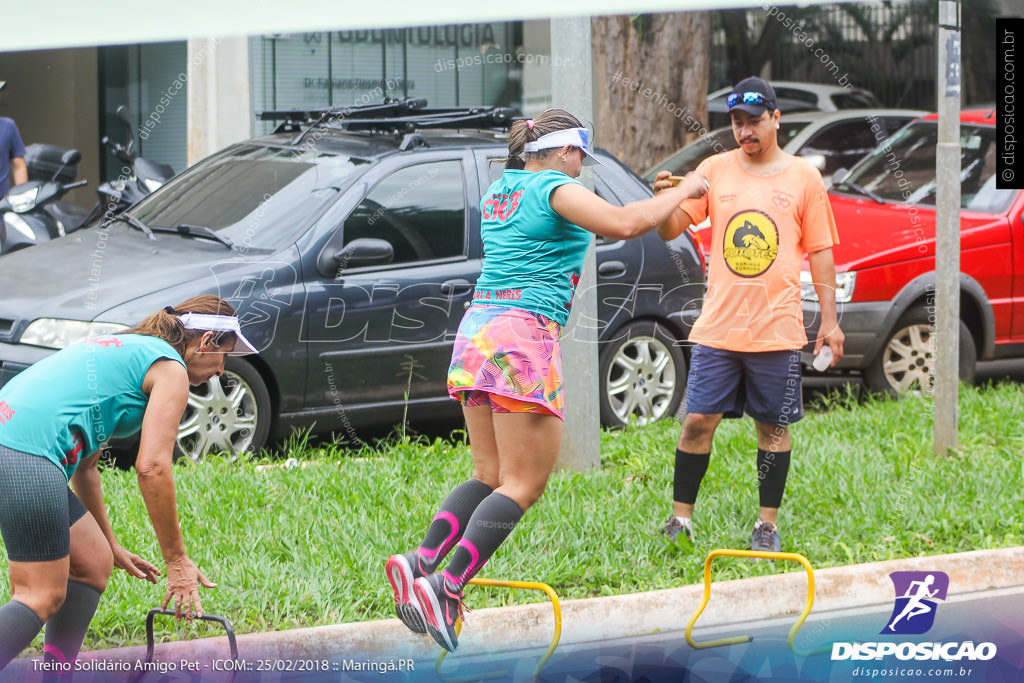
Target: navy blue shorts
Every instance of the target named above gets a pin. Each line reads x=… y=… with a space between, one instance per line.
x=765 y=385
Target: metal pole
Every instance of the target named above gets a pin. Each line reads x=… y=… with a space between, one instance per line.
x=947 y=231
x=571 y=86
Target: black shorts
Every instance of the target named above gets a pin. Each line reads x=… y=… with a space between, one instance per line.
x=37 y=508
x=765 y=385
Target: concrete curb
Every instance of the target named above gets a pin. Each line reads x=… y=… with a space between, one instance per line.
x=597 y=619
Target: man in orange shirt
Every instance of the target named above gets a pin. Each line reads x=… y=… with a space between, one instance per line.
x=768 y=209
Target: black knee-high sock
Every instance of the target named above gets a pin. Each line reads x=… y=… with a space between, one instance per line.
x=18 y=626
x=449 y=524
x=491 y=523
x=65 y=630
x=772 y=470
x=690 y=470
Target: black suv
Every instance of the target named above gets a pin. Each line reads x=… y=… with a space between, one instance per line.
x=348 y=240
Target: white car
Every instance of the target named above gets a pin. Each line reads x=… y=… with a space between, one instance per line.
x=830 y=140
x=794 y=96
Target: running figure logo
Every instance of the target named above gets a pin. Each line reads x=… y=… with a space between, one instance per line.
x=916 y=595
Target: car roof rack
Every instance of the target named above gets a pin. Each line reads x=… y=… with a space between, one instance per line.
x=293 y=119
x=390 y=116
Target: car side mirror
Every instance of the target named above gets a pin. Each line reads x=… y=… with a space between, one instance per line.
x=838 y=176
x=818 y=161
x=124 y=115
x=72 y=156
x=365 y=251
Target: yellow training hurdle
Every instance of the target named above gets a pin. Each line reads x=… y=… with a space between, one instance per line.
x=501 y=583
x=791 y=557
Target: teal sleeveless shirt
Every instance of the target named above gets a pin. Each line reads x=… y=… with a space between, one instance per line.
x=71 y=403
x=532 y=256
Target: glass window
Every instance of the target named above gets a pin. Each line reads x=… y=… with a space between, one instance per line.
x=144 y=78
x=842 y=144
x=904 y=170
x=797 y=94
x=689 y=157
x=258 y=197
x=788 y=131
x=420 y=210
x=854 y=100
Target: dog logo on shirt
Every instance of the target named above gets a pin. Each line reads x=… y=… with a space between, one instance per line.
x=751 y=243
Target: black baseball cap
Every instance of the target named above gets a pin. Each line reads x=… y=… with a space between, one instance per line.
x=752 y=95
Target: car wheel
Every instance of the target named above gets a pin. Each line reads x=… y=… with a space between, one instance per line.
x=642 y=375
x=907 y=358
x=229 y=414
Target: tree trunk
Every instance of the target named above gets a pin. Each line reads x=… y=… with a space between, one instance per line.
x=651 y=72
x=747 y=54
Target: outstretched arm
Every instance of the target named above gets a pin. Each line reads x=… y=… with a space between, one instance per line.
x=677 y=221
x=582 y=207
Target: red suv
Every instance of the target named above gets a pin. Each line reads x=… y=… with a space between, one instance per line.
x=885 y=262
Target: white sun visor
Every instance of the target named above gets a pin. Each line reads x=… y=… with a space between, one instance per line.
x=577 y=137
x=219 y=323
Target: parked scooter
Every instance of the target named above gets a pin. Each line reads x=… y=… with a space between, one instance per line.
x=139 y=177
x=32 y=212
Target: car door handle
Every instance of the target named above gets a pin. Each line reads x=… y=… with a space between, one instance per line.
x=611 y=269
x=456 y=287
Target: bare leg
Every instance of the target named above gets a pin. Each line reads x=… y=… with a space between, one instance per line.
x=528 y=445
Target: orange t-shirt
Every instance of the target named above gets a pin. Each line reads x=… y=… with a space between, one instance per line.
x=761 y=228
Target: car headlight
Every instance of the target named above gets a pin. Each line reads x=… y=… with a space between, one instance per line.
x=13 y=220
x=54 y=333
x=844 y=286
x=152 y=184
x=23 y=201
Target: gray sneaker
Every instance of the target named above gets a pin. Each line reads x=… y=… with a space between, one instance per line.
x=402 y=571
x=673 y=527
x=765 y=538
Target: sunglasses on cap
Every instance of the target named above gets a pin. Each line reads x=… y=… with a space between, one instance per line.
x=752 y=98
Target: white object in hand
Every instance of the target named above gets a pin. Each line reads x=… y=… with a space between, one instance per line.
x=823 y=359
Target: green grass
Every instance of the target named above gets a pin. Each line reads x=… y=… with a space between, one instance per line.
x=303 y=547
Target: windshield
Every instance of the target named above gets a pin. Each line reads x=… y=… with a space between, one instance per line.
x=722 y=140
x=904 y=170
x=258 y=197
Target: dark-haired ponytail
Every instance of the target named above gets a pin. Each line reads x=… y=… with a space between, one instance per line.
x=166 y=325
x=530 y=130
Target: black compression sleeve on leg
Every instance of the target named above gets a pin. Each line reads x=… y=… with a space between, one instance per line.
x=449 y=524
x=65 y=630
x=18 y=626
x=690 y=470
x=772 y=470
x=491 y=523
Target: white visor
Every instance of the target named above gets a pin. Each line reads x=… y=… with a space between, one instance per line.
x=219 y=323
x=577 y=137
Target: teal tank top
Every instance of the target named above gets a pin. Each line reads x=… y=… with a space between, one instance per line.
x=72 y=402
x=532 y=256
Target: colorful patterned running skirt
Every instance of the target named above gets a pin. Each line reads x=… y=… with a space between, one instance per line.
x=507 y=352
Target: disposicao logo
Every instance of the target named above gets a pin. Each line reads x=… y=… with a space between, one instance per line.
x=917 y=595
